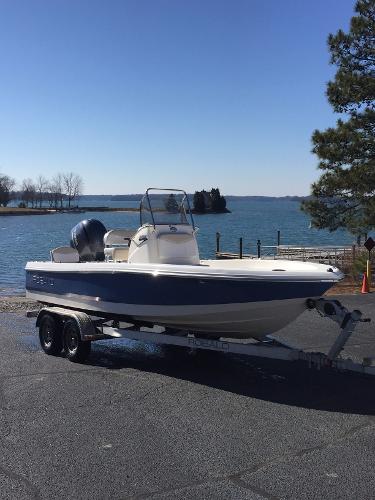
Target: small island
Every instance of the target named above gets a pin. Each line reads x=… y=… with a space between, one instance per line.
x=212 y=202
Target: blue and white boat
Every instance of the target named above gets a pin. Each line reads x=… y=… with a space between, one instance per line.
x=156 y=277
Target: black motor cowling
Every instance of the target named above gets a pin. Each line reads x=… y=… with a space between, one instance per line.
x=87 y=238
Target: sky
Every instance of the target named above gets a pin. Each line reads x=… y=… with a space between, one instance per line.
x=184 y=94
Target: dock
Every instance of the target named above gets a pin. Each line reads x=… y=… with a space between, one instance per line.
x=341 y=256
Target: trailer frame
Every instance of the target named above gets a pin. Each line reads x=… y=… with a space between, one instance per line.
x=85 y=328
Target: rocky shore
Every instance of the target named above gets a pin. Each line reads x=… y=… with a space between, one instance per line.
x=17 y=303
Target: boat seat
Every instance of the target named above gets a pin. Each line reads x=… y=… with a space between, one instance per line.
x=117 y=243
x=118 y=237
x=175 y=237
x=64 y=254
x=177 y=248
x=116 y=254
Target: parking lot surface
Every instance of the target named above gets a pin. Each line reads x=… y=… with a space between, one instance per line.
x=139 y=421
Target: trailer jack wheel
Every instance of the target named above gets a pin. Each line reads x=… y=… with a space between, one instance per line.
x=50 y=335
x=76 y=349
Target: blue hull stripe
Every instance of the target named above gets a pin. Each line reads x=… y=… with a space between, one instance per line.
x=145 y=289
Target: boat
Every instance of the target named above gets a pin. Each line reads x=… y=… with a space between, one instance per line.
x=155 y=276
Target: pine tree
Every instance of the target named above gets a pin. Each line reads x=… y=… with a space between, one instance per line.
x=199 y=202
x=344 y=195
x=218 y=202
x=171 y=204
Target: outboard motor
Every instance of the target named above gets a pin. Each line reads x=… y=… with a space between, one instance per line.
x=87 y=239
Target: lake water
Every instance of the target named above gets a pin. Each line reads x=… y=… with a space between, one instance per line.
x=24 y=238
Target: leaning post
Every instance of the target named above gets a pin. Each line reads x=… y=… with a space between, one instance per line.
x=218 y=242
x=258 y=248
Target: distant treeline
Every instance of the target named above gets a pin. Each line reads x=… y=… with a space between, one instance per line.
x=137 y=197
x=126 y=197
x=65 y=188
x=268 y=198
x=61 y=190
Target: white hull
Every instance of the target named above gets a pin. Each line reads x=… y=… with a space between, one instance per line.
x=244 y=320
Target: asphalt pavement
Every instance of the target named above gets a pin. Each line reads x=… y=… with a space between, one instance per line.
x=138 y=421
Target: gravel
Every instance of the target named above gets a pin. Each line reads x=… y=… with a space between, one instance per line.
x=17 y=304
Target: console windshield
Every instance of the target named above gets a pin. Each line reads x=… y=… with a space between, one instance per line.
x=165 y=207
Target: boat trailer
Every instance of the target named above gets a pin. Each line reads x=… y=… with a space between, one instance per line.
x=71 y=331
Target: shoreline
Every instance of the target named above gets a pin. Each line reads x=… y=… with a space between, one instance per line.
x=77 y=210
x=209 y=211
x=17 y=304
x=14 y=211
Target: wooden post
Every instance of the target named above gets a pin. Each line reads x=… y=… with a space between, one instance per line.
x=278 y=238
x=218 y=242
x=258 y=248
x=240 y=248
x=369 y=272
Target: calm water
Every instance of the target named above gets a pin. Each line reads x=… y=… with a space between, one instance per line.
x=24 y=238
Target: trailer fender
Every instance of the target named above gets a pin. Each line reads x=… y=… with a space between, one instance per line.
x=86 y=327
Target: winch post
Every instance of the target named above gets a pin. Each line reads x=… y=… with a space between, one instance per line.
x=344 y=335
x=347 y=320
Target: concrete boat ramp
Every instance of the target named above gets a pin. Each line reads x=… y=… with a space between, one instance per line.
x=139 y=421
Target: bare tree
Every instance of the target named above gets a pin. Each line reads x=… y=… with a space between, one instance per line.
x=50 y=195
x=28 y=192
x=73 y=186
x=58 y=188
x=6 y=187
x=77 y=187
x=41 y=187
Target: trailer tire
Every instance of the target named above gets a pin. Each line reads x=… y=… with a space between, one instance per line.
x=76 y=349
x=50 y=335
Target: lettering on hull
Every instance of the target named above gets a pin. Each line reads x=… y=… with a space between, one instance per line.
x=42 y=280
x=208 y=344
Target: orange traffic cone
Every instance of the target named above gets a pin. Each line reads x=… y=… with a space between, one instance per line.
x=365 y=287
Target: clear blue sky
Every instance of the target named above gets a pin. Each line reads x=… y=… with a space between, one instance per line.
x=191 y=94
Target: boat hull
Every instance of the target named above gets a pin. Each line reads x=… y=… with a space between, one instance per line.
x=240 y=307
x=244 y=320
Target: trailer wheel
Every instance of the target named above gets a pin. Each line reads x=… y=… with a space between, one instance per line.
x=50 y=335
x=76 y=349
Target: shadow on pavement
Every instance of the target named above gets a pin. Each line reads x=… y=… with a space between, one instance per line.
x=287 y=383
